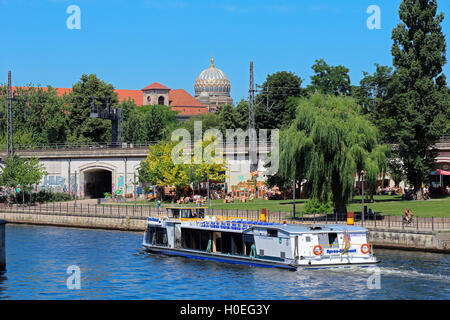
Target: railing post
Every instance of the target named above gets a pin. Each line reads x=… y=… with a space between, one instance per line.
x=417 y=223
x=389 y=222
x=432 y=223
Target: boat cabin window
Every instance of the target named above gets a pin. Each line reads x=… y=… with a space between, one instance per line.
x=333 y=239
x=157 y=236
x=272 y=233
x=186 y=213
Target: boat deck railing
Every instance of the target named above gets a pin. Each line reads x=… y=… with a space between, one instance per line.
x=235 y=224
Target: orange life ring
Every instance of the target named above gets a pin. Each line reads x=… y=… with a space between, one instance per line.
x=317 y=253
x=365 y=248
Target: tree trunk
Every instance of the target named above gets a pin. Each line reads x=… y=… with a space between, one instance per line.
x=341 y=208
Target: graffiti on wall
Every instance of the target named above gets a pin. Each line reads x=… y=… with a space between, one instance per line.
x=54 y=183
x=120 y=182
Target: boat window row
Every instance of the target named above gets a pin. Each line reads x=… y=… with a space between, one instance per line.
x=217 y=241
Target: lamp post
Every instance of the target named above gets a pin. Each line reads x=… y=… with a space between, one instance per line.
x=208 y=195
x=293 y=198
x=362 y=194
x=134 y=178
x=76 y=188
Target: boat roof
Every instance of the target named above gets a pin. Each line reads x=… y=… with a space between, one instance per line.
x=302 y=228
x=185 y=207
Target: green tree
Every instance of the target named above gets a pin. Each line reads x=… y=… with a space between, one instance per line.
x=39 y=116
x=159 y=169
x=21 y=172
x=199 y=172
x=330 y=79
x=420 y=102
x=328 y=143
x=227 y=118
x=272 y=110
x=208 y=120
x=82 y=128
x=374 y=90
x=148 y=123
x=241 y=114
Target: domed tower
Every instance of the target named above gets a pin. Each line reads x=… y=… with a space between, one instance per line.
x=212 y=88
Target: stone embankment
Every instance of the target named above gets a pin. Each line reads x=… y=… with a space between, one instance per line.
x=431 y=236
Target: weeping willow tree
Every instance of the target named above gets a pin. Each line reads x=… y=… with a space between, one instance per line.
x=328 y=143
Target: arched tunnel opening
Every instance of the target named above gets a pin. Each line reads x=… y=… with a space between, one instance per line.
x=97 y=182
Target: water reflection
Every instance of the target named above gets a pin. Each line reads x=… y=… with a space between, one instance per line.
x=113 y=267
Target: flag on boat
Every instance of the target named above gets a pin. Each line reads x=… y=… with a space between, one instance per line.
x=346 y=242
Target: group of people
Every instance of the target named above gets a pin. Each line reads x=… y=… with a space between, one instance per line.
x=389 y=191
x=197 y=199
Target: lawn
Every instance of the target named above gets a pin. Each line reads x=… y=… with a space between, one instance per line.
x=385 y=205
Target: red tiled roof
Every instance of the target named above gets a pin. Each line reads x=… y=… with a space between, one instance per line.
x=179 y=99
x=155 y=85
x=135 y=95
x=59 y=91
x=189 y=111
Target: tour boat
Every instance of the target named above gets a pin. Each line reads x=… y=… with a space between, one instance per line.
x=188 y=232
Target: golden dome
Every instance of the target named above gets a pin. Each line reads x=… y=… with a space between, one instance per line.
x=213 y=82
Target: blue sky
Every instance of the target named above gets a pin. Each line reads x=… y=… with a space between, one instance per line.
x=131 y=44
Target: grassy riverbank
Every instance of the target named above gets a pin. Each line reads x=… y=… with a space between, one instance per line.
x=385 y=205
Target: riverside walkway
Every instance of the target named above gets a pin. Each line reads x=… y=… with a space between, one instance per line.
x=424 y=233
x=90 y=208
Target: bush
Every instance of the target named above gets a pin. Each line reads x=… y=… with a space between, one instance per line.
x=315 y=206
x=42 y=196
x=48 y=196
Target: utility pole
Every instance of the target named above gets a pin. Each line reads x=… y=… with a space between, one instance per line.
x=10 y=97
x=251 y=124
x=10 y=140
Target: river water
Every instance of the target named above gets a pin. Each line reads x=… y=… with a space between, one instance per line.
x=112 y=266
